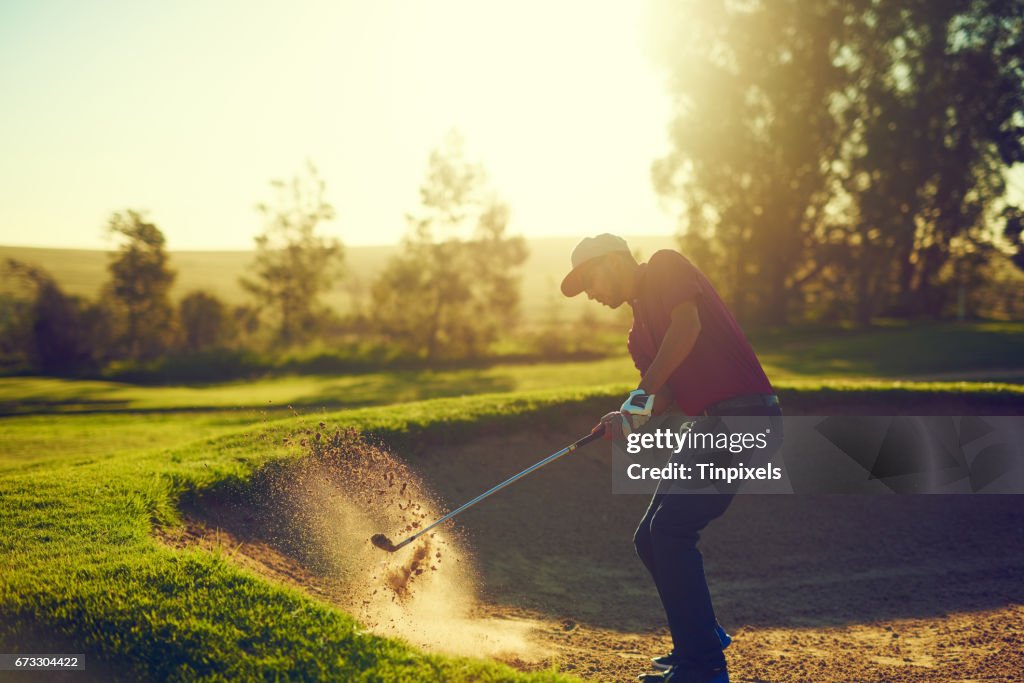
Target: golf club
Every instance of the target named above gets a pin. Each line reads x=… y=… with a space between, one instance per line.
x=384 y=543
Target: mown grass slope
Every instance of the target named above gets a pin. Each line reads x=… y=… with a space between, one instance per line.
x=79 y=564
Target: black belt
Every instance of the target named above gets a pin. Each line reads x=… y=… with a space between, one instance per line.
x=740 y=402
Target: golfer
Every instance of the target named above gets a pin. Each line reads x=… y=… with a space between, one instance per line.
x=692 y=357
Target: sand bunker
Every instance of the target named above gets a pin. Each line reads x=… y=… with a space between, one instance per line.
x=314 y=518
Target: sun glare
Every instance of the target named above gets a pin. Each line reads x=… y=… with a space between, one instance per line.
x=556 y=100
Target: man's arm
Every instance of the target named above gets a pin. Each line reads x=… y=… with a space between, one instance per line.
x=675 y=347
x=663 y=401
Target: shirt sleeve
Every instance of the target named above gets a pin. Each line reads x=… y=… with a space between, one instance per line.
x=676 y=280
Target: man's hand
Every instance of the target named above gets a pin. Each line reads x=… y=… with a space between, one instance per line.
x=614 y=426
x=636 y=410
x=633 y=415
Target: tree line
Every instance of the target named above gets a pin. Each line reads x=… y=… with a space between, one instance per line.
x=449 y=293
x=846 y=159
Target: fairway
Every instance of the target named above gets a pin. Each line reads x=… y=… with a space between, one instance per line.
x=887 y=357
x=20 y=395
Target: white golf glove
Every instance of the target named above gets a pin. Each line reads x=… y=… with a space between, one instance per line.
x=636 y=410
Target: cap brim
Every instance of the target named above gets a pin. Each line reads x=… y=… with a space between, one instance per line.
x=572 y=284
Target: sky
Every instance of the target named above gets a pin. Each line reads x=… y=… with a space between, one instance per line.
x=189 y=109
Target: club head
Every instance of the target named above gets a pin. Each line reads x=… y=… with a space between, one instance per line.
x=383 y=542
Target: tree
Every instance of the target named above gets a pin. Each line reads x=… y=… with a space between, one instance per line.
x=294 y=266
x=16 y=299
x=139 y=286
x=1013 y=231
x=53 y=332
x=205 y=322
x=934 y=120
x=454 y=289
x=844 y=153
x=752 y=138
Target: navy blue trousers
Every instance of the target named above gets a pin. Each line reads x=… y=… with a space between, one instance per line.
x=666 y=542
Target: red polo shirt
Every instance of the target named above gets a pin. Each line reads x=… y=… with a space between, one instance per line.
x=722 y=364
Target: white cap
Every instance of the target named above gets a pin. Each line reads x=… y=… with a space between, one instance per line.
x=586 y=251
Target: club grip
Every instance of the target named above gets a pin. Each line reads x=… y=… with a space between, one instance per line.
x=596 y=434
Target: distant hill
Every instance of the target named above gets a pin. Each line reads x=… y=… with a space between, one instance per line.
x=83 y=272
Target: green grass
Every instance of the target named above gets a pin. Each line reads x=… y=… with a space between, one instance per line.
x=978 y=352
x=895 y=351
x=893 y=397
x=25 y=395
x=36 y=440
x=78 y=563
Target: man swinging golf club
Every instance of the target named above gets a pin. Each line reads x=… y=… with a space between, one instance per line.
x=692 y=356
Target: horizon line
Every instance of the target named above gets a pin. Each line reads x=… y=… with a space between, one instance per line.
x=345 y=245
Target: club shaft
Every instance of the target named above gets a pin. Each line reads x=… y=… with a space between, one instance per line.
x=551 y=458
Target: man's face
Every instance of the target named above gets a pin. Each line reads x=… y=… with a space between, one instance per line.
x=602 y=281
